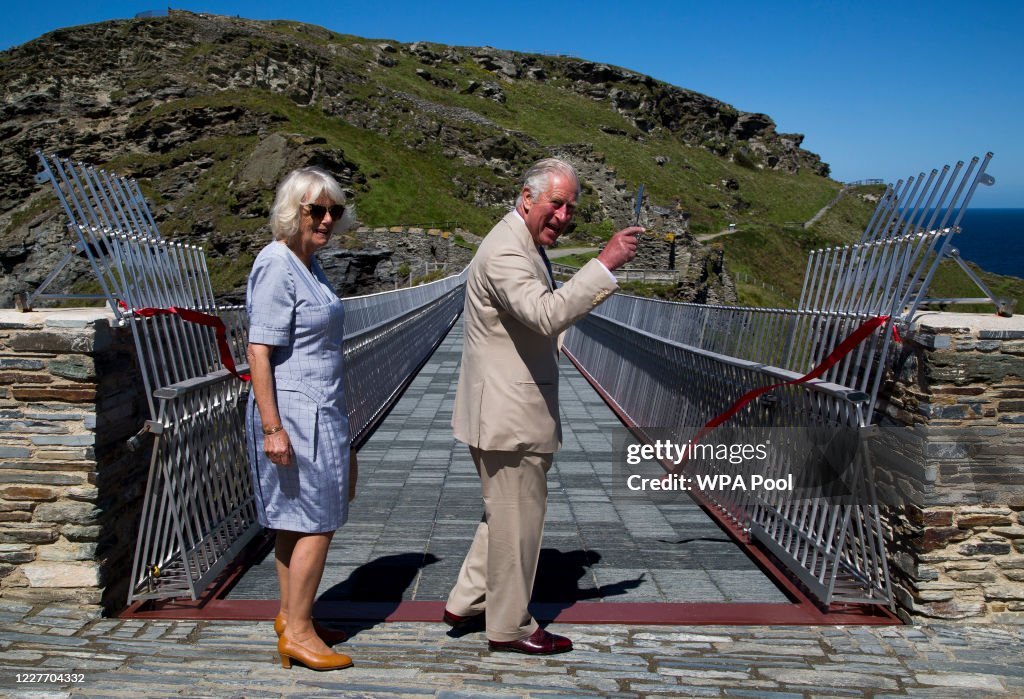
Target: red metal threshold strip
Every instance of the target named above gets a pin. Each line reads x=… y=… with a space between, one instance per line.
x=626 y=613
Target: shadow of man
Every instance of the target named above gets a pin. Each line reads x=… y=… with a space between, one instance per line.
x=564 y=578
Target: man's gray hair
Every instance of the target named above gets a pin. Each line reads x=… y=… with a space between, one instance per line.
x=304 y=186
x=538 y=178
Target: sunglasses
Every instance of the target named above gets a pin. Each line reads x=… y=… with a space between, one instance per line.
x=318 y=211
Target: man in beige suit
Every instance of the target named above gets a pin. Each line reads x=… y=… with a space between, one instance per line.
x=506 y=405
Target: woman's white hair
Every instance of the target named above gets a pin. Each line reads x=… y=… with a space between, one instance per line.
x=538 y=178
x=304 y=186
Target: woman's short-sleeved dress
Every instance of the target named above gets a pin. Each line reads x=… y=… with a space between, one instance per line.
x=295 y=310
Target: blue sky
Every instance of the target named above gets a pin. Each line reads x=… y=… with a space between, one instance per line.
x=880 y=89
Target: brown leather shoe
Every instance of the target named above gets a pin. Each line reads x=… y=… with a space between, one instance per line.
x=328 y=636
x=460 y=622
x=290 y=651
x=539 y=643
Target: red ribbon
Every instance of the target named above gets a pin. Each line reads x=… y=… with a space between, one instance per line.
x=843 y=349
x=204 y=319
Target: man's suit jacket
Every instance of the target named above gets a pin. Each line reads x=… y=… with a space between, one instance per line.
x=507 y=397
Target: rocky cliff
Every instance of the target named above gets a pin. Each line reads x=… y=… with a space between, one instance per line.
x=209 y=112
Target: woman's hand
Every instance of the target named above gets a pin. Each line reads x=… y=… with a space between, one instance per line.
x=278 y=448
x=353 y=474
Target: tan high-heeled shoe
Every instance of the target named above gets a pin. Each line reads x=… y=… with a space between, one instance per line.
x=328 y=636
x=290 y=651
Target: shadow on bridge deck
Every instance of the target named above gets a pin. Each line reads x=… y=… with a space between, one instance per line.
x=419 y=503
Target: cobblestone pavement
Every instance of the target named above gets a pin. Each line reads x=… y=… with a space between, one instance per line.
x=135 y=658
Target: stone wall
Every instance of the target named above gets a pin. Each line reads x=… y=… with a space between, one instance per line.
x=951 y=470
x=70 y=491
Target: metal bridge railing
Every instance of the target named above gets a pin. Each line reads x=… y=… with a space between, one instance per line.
x=938 y=203
x=843 y=287
x=668 y=390
x=198 y=509
x=362 y=312
x=794 y=340
x=393 y=333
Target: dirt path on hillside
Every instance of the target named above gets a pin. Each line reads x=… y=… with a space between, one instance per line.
x=704 y=237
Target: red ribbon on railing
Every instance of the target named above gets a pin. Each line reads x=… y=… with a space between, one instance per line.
x=204 y=319
x=844 y=348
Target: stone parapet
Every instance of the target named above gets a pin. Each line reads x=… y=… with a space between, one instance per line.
x=70 y=492
x=950 y=469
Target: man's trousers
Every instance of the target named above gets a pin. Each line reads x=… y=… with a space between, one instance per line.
x=498 y=573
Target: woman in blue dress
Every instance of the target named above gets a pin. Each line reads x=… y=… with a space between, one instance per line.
x=297 y=423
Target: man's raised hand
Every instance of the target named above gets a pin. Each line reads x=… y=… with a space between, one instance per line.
x=621 y=248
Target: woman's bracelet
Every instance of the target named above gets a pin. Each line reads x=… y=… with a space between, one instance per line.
x=272 y=430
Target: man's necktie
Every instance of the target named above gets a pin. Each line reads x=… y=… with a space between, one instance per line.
x=547 y=265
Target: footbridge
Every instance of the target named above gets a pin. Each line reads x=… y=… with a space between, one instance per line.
x=796 y=387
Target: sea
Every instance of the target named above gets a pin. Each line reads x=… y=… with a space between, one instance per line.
x=993 y=239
